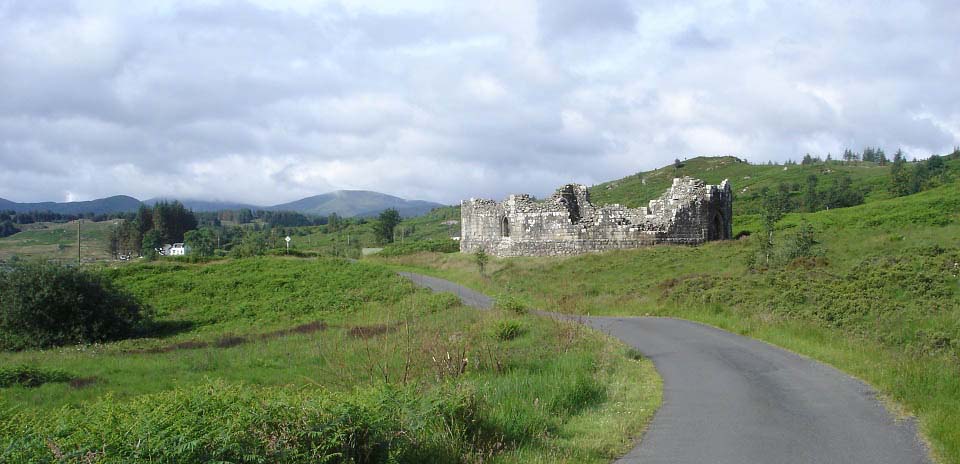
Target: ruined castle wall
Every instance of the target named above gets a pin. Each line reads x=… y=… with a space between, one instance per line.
x=688 y=213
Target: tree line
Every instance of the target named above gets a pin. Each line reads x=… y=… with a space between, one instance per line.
x=152 y=227
x=909 y=178
x=273 y=218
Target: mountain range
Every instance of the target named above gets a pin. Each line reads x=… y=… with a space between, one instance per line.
x=346 y=203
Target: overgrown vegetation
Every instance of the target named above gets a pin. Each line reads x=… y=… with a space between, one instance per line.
x=27 y=376
x=44 y=304
x=325 y=360
x=434 y=245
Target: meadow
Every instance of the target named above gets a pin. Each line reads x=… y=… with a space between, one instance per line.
x=879 y=298
x=323 y=360
x=58 y=241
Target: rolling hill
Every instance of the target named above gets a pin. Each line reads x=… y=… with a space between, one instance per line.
x=114 y=204
x=356 y=203
x=346 y=203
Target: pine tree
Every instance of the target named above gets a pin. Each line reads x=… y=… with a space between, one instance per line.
x=900 y=181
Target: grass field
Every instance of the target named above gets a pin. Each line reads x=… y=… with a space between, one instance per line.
x=53 y=240
x=324 y=360
x=882 y=301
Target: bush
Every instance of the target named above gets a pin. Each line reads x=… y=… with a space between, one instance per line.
x=43 y=304
x=508 y=330
x=27 y=376
x=512 y=303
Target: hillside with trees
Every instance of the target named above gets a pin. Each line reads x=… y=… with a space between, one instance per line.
x=151 y=228
x=813 y=184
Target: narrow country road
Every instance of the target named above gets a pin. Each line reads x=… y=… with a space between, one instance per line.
x=728 y=399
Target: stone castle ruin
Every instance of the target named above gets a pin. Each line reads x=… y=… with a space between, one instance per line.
x=690 y=212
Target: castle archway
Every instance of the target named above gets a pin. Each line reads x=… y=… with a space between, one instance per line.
x=505 y=227
x=716 y=229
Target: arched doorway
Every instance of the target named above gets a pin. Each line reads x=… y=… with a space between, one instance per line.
x=716 y=229
x=505 y=227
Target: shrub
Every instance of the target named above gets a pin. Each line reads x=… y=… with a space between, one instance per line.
x=27 y=376
x=43 y=304
x=511 y=303
x=509 y=329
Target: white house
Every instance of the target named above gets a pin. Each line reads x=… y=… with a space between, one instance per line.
x=177 y=249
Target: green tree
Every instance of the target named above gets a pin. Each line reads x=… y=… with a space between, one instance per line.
x=387 y=221
x=900 y=179
x=253 y=243
x=480 y=257
x=151 y=241
x=802 y=243
x=201 y=241
x=334 y=222
x=7 y=228
x=773 y=205
x=144 y=219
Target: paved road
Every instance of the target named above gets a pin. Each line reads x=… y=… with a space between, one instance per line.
x=728 y=399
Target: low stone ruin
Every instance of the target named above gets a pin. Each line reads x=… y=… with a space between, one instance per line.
x=690 y=212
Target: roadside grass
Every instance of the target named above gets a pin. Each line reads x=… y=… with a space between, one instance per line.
x=882 y=302
x=290 y=360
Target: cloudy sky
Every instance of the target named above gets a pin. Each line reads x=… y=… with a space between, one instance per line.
x=269 y=101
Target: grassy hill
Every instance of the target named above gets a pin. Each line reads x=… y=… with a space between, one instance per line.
x=354 y=203
x=295 y=360
x=114 y=204
x=879 y=299
x=747 y=180
x=56 y=240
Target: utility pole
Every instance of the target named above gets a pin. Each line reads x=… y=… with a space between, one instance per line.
x=79 y=221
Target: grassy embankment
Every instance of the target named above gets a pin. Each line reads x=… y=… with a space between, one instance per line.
x=882 y=302
x=292 y=360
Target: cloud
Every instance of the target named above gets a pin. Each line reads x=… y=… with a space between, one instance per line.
x=266 y=102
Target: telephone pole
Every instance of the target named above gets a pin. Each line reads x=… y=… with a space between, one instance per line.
x=79 y=221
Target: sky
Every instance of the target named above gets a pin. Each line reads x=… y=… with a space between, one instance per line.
x=269 y=101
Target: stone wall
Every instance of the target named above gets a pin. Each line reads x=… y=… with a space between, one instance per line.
x=690 y=212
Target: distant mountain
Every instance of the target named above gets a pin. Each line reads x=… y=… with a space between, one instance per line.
x=346 y=203
x=114 y=204
x=352 y=203
x=204 y=206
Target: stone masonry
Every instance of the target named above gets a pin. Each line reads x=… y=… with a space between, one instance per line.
x=690 y=212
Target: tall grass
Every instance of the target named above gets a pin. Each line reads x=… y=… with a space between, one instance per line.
x=291 y=360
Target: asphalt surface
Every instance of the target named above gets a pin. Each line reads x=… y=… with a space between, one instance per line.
x=728 y=399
